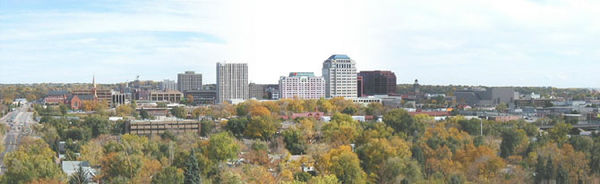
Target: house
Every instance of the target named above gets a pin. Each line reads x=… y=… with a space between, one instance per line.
x=71 y=167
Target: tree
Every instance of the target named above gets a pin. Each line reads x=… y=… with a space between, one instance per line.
x=559 y=133
x=206 y=127
x=261 y=127
x=595 y=158
x=540 y=170
x=222 y=147
x=350 y=110
x=79 y=177
x=343 y=163
x=237 y=126
x=550 y=171
x=375 y=109
x=324 y=179
x=562 y=176
x=63 y=109
x=189 y=99
x=374 y=153
x=145 y=115
x=124 y=110
x=502 y=107
x=31 y=161
x=342 y=129
x=402 y=122
x=324 y=105
x=98 y=124
x=511 y=139
x=179 y=112
x=294 y=141
x=192 y=171
x=168 y=175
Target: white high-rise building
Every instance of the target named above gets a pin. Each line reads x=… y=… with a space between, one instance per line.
x=340 y=75
x=232 y=81
x=302 y=85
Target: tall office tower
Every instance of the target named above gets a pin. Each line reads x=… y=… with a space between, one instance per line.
x=339 y=72
x=189 y=81
x=378 y=82
x=232 y=81
x=303 y=85
x=167 y=85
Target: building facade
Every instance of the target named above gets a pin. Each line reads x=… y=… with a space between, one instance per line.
x=170 y=96
x=189 y=81
x=340 y=76
x=264 y=91
x=232 y=81
x=205 y=96
x=302 y=85
x=170 y=85
x=377 y=82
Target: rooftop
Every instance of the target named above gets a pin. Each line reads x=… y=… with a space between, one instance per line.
x=339 y=56
x=302 y=74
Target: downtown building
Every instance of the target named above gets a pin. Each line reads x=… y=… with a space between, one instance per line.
x=302 y=85
x=376 y=83
x=167 y=85
x=189 y=81
x=232 y=82
x=340 y=76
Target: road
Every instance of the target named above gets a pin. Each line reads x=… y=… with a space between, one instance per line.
x=19 y=123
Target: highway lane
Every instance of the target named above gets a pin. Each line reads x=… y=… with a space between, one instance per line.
x=19 y=123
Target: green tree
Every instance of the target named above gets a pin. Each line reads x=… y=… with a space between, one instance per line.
x=294 y=141
x=179 y=112
x=559 y=133
x=63 y=109
x=98 y=124
x=550 y=170
x=511 y=139
x=540 y=170
x=222 y=146
x=402 y=122
x=145 y=115
x=595 y=158
x=168 y=175
x=192 y=171
x=350 y=110
x=562 y=176
x=206 y=127
x=237 y=126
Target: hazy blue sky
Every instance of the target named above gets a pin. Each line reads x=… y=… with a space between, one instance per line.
x=472 y=42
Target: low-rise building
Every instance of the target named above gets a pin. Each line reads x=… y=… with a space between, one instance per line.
x=156 y=127
x=168 y=96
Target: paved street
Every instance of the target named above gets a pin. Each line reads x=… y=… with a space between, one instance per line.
x=18 y=123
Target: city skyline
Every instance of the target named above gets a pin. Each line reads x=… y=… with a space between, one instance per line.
x=511 y=43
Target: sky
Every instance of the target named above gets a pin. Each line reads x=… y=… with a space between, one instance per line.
x=439 y=42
